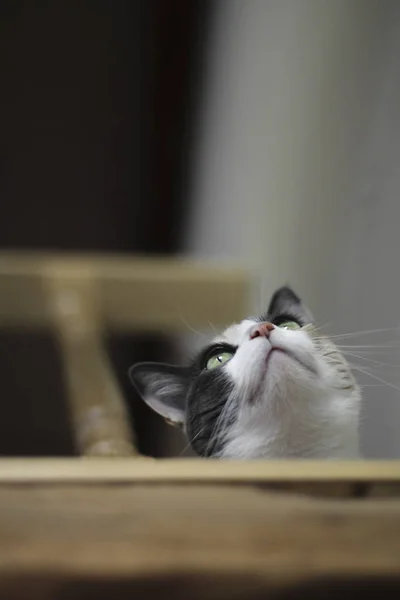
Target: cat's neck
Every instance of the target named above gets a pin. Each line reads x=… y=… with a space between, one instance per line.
x=297 y=432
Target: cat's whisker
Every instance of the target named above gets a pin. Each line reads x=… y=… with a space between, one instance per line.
x=370 y=360
x=388 y=344
x=354 y=365
x=320 y=326
x=362 y=347
x=212 y=327
x=368 y=353
x=374 y=385
x=192 y=440
x=365 y=332
x=220 y=424
x=369 y=346
x=190 y=327
x=366 y=372
x=218 y=427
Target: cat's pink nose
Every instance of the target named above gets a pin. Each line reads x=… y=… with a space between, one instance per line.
x=262 y=330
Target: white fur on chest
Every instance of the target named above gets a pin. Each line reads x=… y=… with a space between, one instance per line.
x=295 y=431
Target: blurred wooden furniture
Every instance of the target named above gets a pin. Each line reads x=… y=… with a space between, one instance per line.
x=80 y=297
x=130 y=527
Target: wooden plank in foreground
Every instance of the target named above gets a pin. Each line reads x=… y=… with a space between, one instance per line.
x=199 y=541
x=330 y=478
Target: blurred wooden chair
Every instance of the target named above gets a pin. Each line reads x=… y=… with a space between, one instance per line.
x=80 y=297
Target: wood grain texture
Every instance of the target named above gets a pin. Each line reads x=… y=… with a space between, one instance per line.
x=262 y=540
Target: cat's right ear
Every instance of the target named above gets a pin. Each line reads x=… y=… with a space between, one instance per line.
x=163 y=387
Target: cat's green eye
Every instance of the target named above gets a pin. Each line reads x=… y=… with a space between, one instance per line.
x=289 y=325
x=218 y=360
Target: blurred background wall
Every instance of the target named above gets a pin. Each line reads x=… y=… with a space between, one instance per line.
x=98 y=102
x=263 y=132
x=297 y=168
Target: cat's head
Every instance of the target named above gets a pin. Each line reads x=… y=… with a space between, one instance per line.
x=269 y=387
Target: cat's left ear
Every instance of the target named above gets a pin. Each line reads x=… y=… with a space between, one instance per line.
x=163 y=387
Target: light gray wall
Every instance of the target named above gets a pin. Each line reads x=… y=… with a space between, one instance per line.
x=367 y=292
x=294 y=98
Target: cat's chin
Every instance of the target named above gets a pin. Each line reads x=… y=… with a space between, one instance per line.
x=281 y=360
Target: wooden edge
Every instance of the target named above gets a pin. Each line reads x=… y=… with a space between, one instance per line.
x=197 y=585
x=147 y=470
x=115 y=265
x=130 y=290
x=96 y=404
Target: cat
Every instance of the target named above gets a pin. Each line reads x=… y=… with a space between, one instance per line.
x=269 y=387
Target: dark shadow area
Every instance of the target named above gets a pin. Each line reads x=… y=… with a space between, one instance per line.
x=36 y=421
x=205 y=587
x=98 y=110
x=340 y=588
x=34 y=416
x=98 y=115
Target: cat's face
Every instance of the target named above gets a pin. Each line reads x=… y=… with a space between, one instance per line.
x=268 y=387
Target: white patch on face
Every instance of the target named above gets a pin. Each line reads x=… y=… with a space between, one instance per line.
x=236 y=334
x=295 y=396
